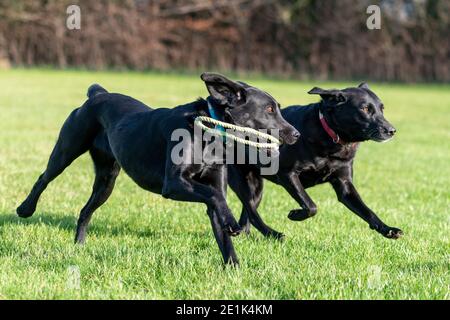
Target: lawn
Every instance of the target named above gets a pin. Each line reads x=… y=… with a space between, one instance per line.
x=141 y=246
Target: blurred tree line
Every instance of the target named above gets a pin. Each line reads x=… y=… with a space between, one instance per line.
x=325 y=39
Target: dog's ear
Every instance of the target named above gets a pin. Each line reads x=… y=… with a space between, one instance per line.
x=364 y=85
x=332 y=95
x=224 y=90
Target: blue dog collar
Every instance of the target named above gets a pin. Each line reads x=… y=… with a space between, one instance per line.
x=212 y=113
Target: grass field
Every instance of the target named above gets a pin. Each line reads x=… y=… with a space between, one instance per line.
x=141 y=246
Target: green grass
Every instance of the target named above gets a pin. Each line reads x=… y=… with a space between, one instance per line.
x=145 y=247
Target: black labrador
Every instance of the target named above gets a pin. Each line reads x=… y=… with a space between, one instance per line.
x=121 y=132
x=331 y=132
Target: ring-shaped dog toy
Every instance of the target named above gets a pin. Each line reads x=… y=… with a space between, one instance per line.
x=273 y=144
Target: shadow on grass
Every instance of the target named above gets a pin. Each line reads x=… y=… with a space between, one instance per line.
x=67 y=223
x=64 y=223
x=99 y=228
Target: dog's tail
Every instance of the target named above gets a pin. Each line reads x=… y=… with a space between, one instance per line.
x=94 y=90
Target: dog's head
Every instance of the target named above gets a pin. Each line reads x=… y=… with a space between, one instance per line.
x=248 y=106
x=356 y=114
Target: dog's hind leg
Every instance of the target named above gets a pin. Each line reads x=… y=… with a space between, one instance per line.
x=74 y=140
x=106 y=171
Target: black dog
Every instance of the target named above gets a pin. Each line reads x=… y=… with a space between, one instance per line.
x=121 y=132
x=331 y=131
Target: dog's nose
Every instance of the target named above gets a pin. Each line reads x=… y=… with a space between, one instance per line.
x=296 y=135
x=391 y=131
x=289 y=135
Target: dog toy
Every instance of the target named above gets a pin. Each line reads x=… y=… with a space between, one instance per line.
x=219 y=130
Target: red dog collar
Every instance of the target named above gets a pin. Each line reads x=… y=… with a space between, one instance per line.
x=333 y=135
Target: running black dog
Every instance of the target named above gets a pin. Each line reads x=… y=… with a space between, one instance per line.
x=121 y=132
x=331 y=132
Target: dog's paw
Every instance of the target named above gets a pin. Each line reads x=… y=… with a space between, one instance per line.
x=233 y=229
x=299 y=215
x=25 y=210
x=392 y=233
x=276 y=235
x=231 y=263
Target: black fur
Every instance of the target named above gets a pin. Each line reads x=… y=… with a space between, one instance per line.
x=356 y=115
x=121 y=132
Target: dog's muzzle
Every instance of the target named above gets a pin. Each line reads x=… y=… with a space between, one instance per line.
x=289 y=136
x=383 y=134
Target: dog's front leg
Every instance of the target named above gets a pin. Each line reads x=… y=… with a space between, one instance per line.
x=223 y=239
x=291 y=182
x=180 y=185
x=347 y=194
x=187 y=189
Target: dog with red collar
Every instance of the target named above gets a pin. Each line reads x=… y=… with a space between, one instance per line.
x=331 y=133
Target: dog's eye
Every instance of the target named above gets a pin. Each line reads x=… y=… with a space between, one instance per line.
x=366 y=109
x=270 y=109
